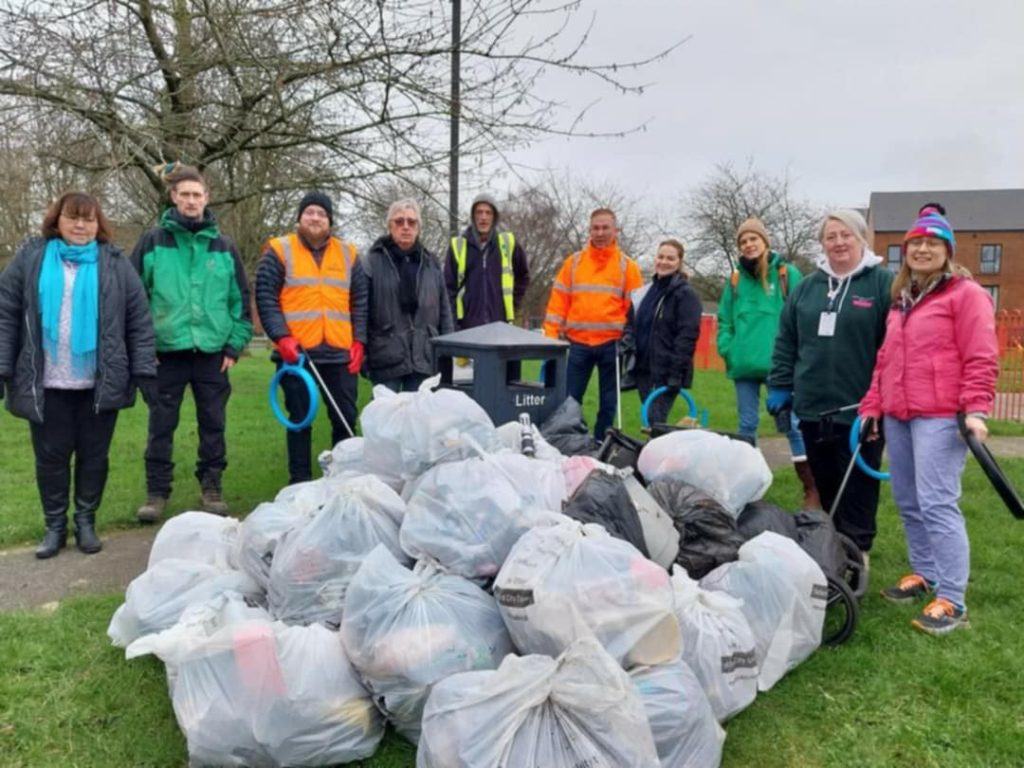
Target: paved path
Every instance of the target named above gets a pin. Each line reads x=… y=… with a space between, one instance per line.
x=26 y=582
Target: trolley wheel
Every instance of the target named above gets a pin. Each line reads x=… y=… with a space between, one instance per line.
x=854 y=575
x=841 y=613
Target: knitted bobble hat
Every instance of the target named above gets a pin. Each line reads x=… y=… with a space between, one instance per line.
x=755 y=225
x=931 y=223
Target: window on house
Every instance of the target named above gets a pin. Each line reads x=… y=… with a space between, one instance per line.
x=895 y=257
x=991 y=256
x=993 y=291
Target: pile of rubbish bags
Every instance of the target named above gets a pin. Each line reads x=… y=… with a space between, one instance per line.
x=496 y=609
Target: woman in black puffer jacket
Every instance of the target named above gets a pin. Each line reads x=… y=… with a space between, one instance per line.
x=75 y=340
x=662 y=330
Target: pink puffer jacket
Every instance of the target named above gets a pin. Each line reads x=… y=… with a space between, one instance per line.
x=938 y=358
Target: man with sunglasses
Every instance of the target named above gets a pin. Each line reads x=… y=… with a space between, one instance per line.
x=407 y=302
x=304 y=299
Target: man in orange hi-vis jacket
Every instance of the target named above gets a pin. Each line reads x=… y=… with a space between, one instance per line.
x=587 y=306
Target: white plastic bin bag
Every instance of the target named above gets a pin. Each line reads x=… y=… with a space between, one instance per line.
x=265 y=694
x=467 y=515
x=197 y=536
x=719 y=646
x=682 y=722
x=314 y=564
x=156 y=598
x=783 y=593
x=260 y=534
x=569 y=581
x=413 y=431
x=732 y=472
x=405 y=630
x=577 y=710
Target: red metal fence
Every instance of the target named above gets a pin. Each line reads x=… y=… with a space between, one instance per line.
x=1009 y=404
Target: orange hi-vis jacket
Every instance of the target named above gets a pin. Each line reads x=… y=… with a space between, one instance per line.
x=315 y=299
x=590 y=296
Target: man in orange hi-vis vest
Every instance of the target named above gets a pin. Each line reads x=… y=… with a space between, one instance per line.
x=587 y=306
x=304 y=300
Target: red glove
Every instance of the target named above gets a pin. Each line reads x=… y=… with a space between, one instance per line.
x=355 y=357
x=288 y=348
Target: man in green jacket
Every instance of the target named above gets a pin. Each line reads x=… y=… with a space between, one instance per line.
x=199 y=298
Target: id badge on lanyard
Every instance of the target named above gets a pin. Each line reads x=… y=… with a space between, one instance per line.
x=827 y=323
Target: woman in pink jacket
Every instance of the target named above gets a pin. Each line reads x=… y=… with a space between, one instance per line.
x=939 y=359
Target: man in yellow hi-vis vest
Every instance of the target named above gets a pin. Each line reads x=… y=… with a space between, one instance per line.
x=305 y=302
x=485 y=270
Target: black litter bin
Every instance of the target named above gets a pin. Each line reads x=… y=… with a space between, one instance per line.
x=497 y=352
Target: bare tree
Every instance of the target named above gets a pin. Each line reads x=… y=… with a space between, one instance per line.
x=715 y=209
x=275 y=97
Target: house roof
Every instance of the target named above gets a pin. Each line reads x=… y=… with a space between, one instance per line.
x=968 y=210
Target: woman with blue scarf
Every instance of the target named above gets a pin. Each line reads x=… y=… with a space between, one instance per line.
x=75 y=341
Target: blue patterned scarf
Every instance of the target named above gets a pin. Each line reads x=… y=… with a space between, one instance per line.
x=84 y=301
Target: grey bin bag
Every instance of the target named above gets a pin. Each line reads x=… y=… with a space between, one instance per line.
x=314 y=564
x=684 y=727
x=580 y=709
x=406 y=630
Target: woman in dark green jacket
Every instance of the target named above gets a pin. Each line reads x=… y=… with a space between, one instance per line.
x=748 y=321
x=829 y=334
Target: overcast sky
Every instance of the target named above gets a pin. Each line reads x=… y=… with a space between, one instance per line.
x=849 y=97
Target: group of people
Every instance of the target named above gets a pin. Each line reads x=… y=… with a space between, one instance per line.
x=82 y=328
x=908 y=354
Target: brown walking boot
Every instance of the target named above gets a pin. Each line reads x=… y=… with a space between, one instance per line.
x=811 y=498
x=152 y=510
x=211 y=499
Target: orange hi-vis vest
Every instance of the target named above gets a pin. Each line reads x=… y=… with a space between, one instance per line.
x=590 y=298
x=315 y=299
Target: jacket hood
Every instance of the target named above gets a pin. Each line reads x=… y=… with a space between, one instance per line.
x=484 y=198
x=870 y=259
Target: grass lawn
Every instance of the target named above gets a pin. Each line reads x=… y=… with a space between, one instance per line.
x=889 y=697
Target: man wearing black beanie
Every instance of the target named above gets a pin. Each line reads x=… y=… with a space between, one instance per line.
x=305 y=304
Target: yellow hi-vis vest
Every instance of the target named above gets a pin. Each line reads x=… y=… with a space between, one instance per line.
x=506 y=245
x=315 y=299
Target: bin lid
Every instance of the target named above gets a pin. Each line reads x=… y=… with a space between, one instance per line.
x=498 y=335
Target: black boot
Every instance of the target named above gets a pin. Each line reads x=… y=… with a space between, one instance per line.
x=56 y=535
x=85 y=533
x=90 y=479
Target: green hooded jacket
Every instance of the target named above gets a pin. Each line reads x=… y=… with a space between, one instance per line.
x=197 y=288
x=748 y=320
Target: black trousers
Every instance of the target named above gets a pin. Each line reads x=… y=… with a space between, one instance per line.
x=659 y=410
x=210 y=390
x=828 y=451
x=71 y=427
x=343 y=387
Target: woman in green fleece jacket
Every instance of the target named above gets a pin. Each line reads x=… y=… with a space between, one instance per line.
x=748 y=321
x=829 y=334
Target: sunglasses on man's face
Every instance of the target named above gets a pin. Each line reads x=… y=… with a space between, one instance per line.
x=401 y=221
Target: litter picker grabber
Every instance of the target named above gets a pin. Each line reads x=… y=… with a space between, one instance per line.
x=297 y=369
x=992 y=470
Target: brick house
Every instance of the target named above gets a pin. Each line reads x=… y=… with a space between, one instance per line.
x=989 y=227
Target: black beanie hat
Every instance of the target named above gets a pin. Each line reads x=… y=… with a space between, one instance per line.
x=317 y=198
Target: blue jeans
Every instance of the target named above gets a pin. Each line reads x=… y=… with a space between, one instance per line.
x=582 y=360
x=748 y=403
x=926 y=459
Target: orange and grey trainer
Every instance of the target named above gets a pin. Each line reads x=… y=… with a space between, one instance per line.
x=909 y=589
x=940 y=617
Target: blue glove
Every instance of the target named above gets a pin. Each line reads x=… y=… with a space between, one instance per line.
x=778 y=400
